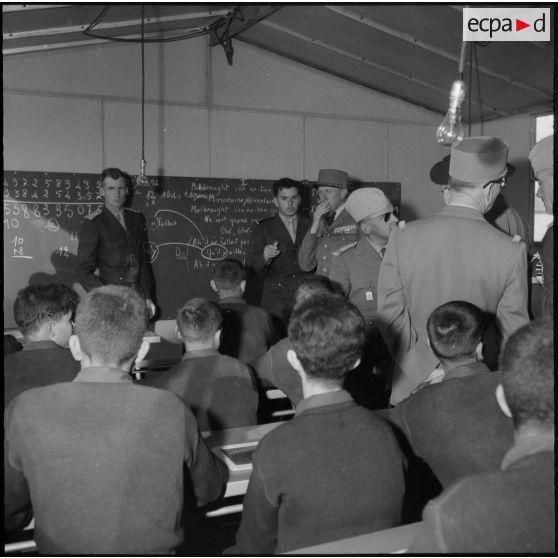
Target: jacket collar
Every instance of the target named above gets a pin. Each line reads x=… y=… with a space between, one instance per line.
x=526 y=447
x=103 y=374
x=200 y=353
x=232 y=300
x=462 y=211
x=466 y=370
x=323 y=400
x=45 y=344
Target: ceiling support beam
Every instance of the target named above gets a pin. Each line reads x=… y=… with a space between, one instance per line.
x=441 y=52
x=375 y=65
x=250 y=16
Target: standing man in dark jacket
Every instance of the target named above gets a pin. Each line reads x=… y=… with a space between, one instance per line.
x=274 y=247
x=114 y=241
x=511 y=509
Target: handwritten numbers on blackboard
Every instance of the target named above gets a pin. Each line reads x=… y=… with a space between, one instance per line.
x=18 y=247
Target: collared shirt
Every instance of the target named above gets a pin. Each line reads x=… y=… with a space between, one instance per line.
x=290 y=223
x=200 y=353
x=232 y=300
x=323 y=399
x=528 y=446
x=103 y=374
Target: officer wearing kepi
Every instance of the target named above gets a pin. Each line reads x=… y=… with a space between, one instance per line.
x=114 y=241
x=356 y=268
x=332 y=227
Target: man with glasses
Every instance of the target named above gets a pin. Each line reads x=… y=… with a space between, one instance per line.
x=453 y=255
x=356 y=267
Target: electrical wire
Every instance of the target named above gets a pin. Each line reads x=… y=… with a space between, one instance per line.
x=142 y=84
x=197 y=32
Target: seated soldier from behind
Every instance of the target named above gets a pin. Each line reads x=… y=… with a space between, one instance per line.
x=510 y=509
x=247 y=330
x=99 y=461
x=219 y=389
x=454 y=423
x=43 y=314
x=273 y=368
x=335 y=470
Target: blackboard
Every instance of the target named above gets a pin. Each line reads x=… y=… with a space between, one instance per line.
x=192 y=223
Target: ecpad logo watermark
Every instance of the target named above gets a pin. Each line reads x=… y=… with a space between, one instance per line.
x=506 y=24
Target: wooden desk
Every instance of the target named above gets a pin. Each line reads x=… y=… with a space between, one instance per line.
x=238 y=480
x=389 y=541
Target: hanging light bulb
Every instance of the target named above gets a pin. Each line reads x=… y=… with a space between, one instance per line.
x=450 y=131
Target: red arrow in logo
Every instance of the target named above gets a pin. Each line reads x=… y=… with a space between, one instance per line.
x=519 y=24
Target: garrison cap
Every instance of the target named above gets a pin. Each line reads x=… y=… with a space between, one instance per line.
x=541 y=155
x=478 y=159
x=367 y=202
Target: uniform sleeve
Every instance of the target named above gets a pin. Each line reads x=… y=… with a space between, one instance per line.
x=254 y=255
x=511 y=311
x=87 y=255
x=394 y=319
x=262 y=367
x=307 y=259
x=209 y=474
x=17 y=499
x=429 y=539
x=258 y=529
x=340 y=273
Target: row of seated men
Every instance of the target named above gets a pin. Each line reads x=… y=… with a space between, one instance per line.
x=106 y=466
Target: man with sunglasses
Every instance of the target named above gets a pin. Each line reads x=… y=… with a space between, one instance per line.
x=453 y=255
x=356 y=267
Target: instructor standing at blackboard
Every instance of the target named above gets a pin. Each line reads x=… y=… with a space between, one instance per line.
x=113 y=240
x=273 y=249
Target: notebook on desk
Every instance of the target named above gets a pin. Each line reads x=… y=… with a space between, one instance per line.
x=238 y=457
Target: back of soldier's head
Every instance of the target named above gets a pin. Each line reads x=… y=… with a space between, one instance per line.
x=110 y=324
x=228 y=274
x=310 y=285
x=454 y=330
x=39 y=304
x=327 y=334
x=199 y=320
x=527 y=374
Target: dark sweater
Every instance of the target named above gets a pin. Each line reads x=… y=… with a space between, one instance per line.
x=219 y=389
x=334 y=471
x=101 y=462
x=40 y=363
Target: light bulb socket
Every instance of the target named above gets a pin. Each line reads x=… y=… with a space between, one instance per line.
x=457 y=94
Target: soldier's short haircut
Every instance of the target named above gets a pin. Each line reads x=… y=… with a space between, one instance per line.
x=228 y=274
x=114 y=173
x=284 y=184
x=38 y=304
x=455 y=329
x=310 y=285
x=527 y=374
x=199 y=319
x=327 y=334
x=110 y=324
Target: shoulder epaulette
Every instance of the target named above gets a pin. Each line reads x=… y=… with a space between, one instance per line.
x=92 y=216
x=516 y=238
x=131 y=210
x=339 y=251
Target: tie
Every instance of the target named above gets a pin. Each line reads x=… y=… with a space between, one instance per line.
x=292 y=229
x=329 y=218
x=121 y=219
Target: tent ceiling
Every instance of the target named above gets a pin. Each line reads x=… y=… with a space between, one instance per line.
x=408 y=51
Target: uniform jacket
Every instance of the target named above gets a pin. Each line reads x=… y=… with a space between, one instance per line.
x=455 y=426
x=543 y=296
x=454 y=255
x=40 y=363
x=357 y=270
x=282 y=273
x=333 y=471
x=101 y=462
x=120 y=255
x=247 y=330
x=507 y=511
x=219 y=389
x=316 y=251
